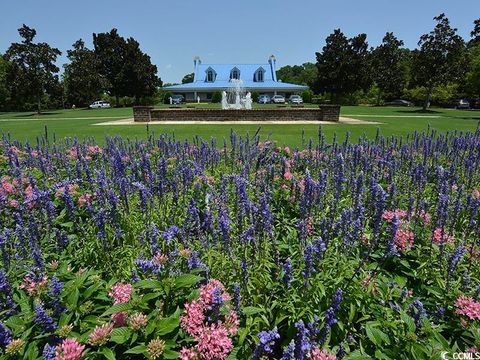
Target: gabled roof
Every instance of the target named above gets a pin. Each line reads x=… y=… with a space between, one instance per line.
x=247 y=73
x=223 y=71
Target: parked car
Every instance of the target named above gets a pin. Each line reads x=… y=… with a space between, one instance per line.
x=399 y=102
x=462 y=104
x=99 y=105
x=264 y=99
x=295 y=99
x=278 y=99
x=178 y=99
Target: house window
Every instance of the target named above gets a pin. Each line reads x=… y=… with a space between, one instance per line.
x=235 y=74
x=259 y=75
x=210 y=76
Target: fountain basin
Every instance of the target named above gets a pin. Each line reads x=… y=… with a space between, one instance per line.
x=322 y=113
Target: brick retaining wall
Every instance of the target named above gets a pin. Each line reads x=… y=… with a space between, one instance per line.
x=325 y=113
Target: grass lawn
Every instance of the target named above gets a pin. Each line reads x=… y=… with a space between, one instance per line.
x=80 y=123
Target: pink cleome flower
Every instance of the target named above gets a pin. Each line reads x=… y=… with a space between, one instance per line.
x=468 y=307
x=84 y=199
x=34 y=287
x=404 y=239
x=388 y=215
x=192 y=320
x=425 y=217
x=288 y=175
x=214 y=343
x=188 y=354
x=317 y=354
x=69 y=349
x=121 y=293
x=440 y=237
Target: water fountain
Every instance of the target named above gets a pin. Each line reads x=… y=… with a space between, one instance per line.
x=236 y=97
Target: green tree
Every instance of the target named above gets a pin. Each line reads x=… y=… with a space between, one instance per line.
x=33 y=71
x=475 y=34
x=188 y=78
x=140 y=75
x=4 y=89
x=83 y=83
x=343 y=65
x=440 y=58
x=127 y=70
x=388 y=70
x=304 y=74
x=472 y=77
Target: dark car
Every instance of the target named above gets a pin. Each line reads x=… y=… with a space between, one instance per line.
x=398 y=102
x=178 y=99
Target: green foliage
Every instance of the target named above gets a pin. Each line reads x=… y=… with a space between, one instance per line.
x=307 y=96
x=255 y=96
x=439 y=95
x=33 y=71
x=343 y=65
x=472 y=77
x=440 y=58
x=83 y=83
x=126 y=69
x=305 y=74
x=217 y=97
x=4 y=88
x=188 y=78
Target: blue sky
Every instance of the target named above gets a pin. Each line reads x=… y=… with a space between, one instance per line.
x=173 y=32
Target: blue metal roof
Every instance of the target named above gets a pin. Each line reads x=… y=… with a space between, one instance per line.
x=247 y=73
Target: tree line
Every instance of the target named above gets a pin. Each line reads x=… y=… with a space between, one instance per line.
x=443 y=67
x=115 y=67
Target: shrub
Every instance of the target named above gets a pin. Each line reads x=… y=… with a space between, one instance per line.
x=216 y=97
x=255 y=96
x=307 y=96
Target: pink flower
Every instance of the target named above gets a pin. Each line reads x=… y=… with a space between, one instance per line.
x=13 y=204
x=404 y=239
x=425 y=217
x=288 y=175
x=468 y=307
x=34 y=287
x=317 y=354
x=476 y=194
x=119 y=319
x=100 y=335
x=207 y=292
x=473 y=350
x=214 y=343
x=188 y=354
x=70 y=349
x=94 y=150
x=7 y=187
x=440 y=237
x=232 y=322
x=192 y=320
x=388 y=215
x=84 y=199
x=72 y=153
x=287 y=150
x=121 y=293
x=161 y=258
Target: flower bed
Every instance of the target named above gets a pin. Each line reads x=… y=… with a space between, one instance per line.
x=166 y=249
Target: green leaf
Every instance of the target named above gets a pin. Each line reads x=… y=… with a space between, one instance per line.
x=117 y=308
x=186 y=280
x=120 y=335
x=376 y=335
x=139 y=349
x=170 y=354
x=72 y=299
x=108 y=353
x=149 y=284
x=251 y=310
x=167 y=325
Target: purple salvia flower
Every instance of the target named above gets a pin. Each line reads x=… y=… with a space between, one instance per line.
x=49 y=352
x=44 y=320
x=454 y=259
x=418 y=312
x=287 y=272
x=236 y=297
x=5 y=336
x=289 y=351
x=302 y=341
x=266 y=343
x=54 y=289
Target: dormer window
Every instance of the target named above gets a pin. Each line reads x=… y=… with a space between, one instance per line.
x=211 y=75
x=235 y=74
x=259 y=75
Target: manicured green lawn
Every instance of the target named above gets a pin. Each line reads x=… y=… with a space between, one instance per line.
x=80 y=123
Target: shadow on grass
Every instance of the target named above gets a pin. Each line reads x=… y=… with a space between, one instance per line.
x=34 y=114
x=419 y=111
